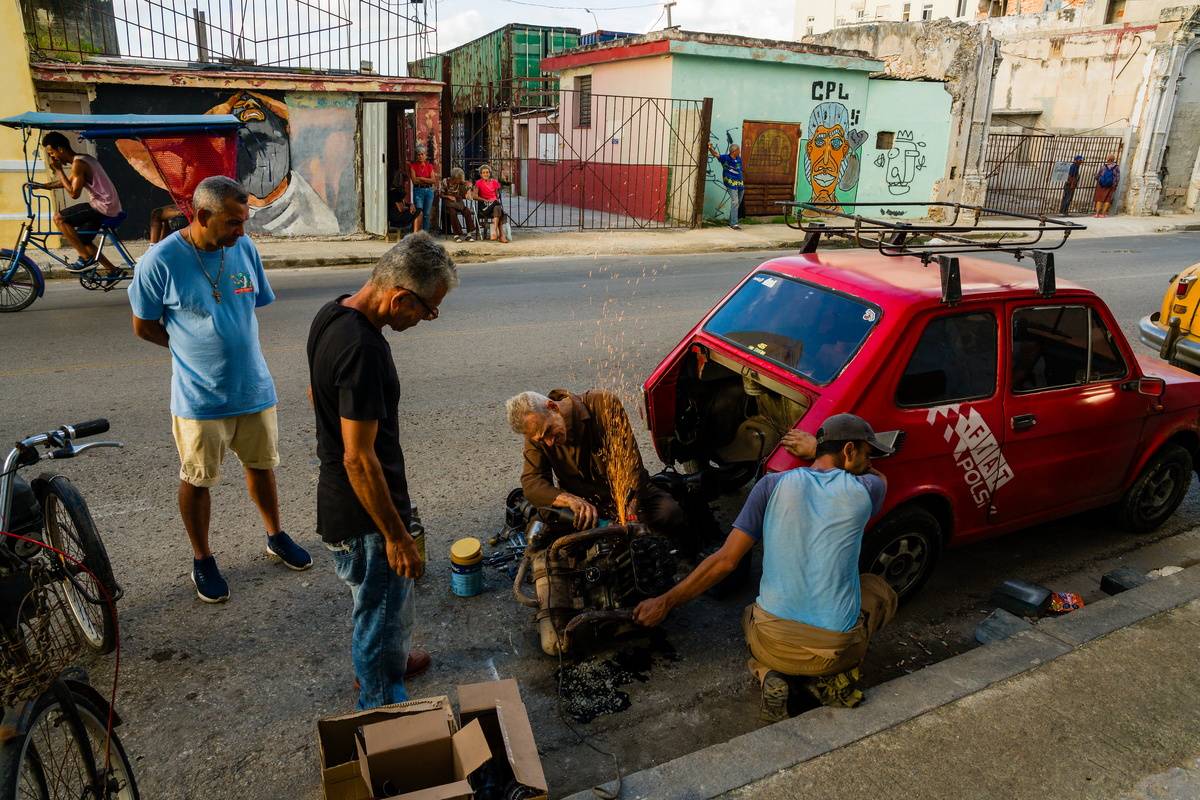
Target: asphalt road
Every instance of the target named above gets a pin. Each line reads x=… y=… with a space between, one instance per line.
x=222 y=701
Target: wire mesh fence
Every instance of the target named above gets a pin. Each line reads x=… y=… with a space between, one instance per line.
x=1028 y=173
x=373 y=36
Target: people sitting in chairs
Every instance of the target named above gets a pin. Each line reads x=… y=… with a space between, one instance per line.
x=80 y=223
x=455 y=191
x=487 y=203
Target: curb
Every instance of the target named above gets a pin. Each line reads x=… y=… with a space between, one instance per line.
x=716 y=770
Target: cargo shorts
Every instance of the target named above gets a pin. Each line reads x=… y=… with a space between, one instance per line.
x=202 y=444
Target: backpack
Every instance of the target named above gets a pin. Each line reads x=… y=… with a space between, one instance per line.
x=1107 y=177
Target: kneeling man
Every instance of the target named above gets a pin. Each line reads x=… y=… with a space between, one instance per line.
x=573 y=437
x=815 y=614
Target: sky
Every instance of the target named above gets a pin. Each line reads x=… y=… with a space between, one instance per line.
x=460 y=21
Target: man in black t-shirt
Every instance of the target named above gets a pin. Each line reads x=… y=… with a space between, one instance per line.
x=363 y=508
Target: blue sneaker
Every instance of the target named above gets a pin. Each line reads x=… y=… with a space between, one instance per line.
x=210 y=583
x=294 y=556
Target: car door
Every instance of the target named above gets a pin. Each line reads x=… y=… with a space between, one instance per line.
x=1071 y=423
x=947 y=400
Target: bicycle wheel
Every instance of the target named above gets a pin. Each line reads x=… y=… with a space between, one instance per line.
x=70 y=528
x=117 y=777
x=20 y=290
x=53 y=759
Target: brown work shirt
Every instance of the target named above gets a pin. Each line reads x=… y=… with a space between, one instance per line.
x=579 y=463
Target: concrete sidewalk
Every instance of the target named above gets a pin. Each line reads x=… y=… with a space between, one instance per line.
x=1100 y=703
x=292 y=253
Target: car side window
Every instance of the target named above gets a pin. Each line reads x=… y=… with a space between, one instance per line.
x=1059 y=346
x=955 y=360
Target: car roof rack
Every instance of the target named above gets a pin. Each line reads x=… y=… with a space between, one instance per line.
x=941 y=241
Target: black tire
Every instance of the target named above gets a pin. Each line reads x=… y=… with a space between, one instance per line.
x=56 y=736
x=20 y=291
x=903 y=549
x=1158 y=490
x=69 y=527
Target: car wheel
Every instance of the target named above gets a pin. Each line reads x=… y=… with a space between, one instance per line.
x=1158 y=490
x=902 y=549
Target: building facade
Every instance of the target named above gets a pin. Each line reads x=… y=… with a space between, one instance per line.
x=812 y=121
x=818 y=16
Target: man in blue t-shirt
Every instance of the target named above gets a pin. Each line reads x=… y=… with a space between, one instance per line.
x=195 y=293
x=815 y=613
x=731 y=178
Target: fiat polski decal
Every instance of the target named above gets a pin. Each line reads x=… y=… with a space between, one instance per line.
x=976 y=450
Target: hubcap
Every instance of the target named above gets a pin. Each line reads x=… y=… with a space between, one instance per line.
x=902 y=561
x=1160 y=488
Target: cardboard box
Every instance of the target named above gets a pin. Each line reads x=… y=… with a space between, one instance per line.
x=341 y=774
x=425 y=733
x=498 y=708
x=420 y=757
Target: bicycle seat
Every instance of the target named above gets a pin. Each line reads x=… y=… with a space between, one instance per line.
x=112 y=222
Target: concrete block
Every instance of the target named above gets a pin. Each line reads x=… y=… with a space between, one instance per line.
x=998 y=625
x=1121 y=580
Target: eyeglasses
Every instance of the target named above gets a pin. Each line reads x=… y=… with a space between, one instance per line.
x=430 y=312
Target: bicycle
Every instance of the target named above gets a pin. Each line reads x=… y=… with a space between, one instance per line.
x=57 y=596
x=21 y=279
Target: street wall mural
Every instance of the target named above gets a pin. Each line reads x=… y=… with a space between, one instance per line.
x=831 y=153
x=296 y=156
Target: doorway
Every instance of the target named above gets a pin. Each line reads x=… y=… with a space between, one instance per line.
x=769 y=151
x=1183 y=142
x=388 y=145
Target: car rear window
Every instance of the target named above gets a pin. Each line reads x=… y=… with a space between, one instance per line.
x=807 y=329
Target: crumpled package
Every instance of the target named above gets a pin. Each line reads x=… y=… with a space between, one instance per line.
x=1062 y=602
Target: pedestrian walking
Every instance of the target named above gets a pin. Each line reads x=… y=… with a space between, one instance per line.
x=196 y=293
x=815 y=614
x=731 y=177
x=424 y=179
x=1069 y=187
x=364 y=514
x=1107 y=178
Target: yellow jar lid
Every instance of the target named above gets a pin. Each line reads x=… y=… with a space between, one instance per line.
x=466 y=551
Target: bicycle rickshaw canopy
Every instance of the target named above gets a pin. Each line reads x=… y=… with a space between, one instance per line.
x=184 y=149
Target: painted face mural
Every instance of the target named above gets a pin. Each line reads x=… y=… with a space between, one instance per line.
x=902 y=162
x=264 y=150
x=830 y=154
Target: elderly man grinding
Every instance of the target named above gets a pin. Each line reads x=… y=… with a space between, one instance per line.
x=575 y=438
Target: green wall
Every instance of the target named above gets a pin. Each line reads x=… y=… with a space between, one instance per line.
x=755 y=90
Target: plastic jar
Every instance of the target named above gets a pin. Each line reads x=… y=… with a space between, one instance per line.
x=466 y=567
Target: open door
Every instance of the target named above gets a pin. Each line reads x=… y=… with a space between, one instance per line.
x=374 y=161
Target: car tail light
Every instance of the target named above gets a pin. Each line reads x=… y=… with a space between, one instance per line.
x=1184 y=284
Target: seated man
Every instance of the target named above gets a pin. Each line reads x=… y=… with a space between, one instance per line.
x=403 y=214
x=815 y=614
x=570 y=437
x=102 y=205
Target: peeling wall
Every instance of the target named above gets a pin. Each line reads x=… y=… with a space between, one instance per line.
x=960 y=55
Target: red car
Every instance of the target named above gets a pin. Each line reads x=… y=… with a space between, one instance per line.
x=1013 y=403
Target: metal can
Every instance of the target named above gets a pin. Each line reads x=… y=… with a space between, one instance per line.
x=466 y=567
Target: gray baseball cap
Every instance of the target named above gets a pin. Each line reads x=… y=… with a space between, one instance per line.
x=850 y=428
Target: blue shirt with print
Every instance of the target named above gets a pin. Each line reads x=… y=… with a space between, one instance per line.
x=731 y=171
x=217 y=365
x=811 y=525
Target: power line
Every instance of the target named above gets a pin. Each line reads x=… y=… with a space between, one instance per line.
x=583 y=8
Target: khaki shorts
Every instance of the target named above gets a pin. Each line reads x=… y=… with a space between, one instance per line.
x=202 y=444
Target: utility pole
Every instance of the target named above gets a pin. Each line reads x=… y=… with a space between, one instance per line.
x=668 y=7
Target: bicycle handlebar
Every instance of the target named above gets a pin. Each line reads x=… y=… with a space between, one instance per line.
x=92 y=427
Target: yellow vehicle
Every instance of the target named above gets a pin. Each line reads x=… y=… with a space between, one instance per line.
x=1174 y=330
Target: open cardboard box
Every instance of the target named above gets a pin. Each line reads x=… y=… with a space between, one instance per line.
x=495 y=724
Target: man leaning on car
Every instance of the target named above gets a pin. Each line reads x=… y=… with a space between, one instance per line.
x=815 y=614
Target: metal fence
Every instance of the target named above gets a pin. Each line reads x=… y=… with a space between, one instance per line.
x=1027 y=173
x=374 y=36
x=575 y=160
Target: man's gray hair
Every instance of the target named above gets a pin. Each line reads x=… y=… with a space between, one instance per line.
x=212 y=193
x=417 y=263
x=522 y=405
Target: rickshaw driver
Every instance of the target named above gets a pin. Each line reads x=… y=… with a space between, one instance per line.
x=102 y=205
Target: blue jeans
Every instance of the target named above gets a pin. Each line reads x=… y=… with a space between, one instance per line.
x=423 y=200
x=382 y=617
x=735 y=202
